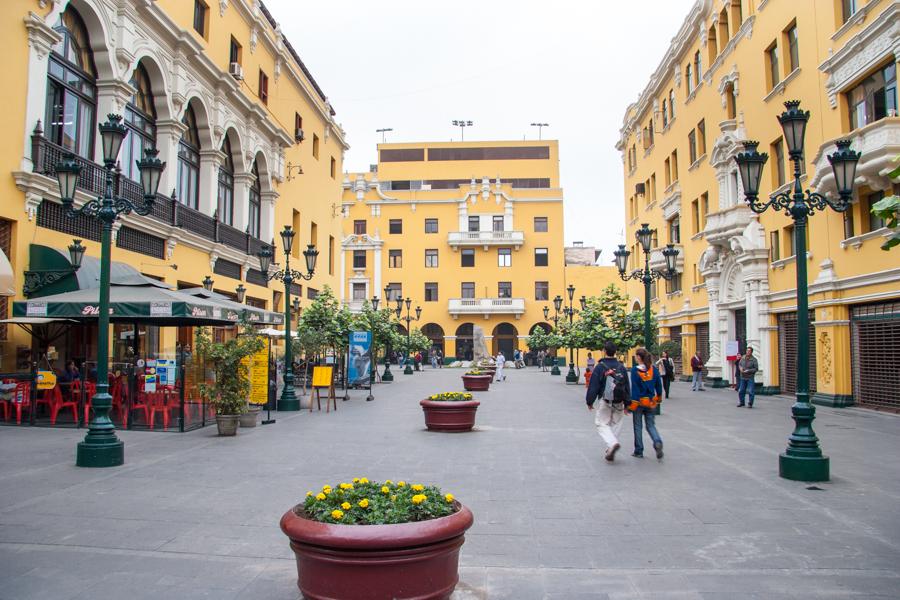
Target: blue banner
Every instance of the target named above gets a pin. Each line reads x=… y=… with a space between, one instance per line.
x=360 y=363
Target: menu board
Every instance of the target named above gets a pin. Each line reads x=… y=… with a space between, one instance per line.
x=258 y=374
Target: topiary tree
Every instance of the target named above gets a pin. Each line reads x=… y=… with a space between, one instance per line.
x=606 y=318
x=231 y=390
x=888 y=209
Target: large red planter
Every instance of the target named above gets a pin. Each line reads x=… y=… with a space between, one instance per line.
x=477 y=383
x=449 y=416
x=408 y=561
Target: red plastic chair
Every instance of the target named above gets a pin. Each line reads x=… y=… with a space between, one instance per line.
x=90 y=388
x=21 y=399
x=141 y=402
x=54 y=401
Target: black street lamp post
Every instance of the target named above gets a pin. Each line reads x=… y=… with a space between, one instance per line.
x=409 y=319
x=387 y=376
x=101 y=447
x=570 y=312
x=557 y=308
x=372 y=363
x=803 y=459
x=288 y=400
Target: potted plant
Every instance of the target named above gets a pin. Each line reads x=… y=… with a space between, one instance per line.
x=230 y=389
x=366 y=540
x=450 y=411
x=477 y=380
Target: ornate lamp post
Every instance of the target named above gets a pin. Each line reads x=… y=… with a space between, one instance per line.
x=240 y=292
x=570 y=312
x=101 y=447
x=803 y=459
x=409 y=319
x=288 y=400
x=387 y=375
x=374 y=364
x=557 y=308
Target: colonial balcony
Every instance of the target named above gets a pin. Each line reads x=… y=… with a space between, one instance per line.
x=723 y=225
x=354 y=306
x=486 y=307
x=658 y=261
x=467 y=239
x=879 y=143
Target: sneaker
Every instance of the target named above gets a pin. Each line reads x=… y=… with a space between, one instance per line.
x=636 y=455
x=659 y=450
x=611 y=453
x=749 y=406
x=742 y=404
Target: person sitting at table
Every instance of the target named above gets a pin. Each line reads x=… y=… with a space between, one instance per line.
x=70 y=373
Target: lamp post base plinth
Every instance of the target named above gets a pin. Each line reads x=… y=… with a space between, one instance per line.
x=106 y=454
x=288 y=405
x=571 y=377
x=798 y=468
x=387 y=376
x=555 y=370
x=408 y=370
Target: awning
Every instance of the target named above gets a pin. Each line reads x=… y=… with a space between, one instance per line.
x=271 y=332
x=235 y=309
x=35 y=321
x=146 y=304
x=7 y=279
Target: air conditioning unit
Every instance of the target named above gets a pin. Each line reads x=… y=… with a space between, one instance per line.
x=298 y=135
x=236 y=70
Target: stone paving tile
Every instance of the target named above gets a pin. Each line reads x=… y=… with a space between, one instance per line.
x=195 y=516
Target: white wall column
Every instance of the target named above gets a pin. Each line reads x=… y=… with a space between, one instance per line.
x=168 y=134
x=376 y=268
x=242 y=184
x=210 y=160
x=342 y=291
x=267 y=215
x=714 y=361
x=112 y=95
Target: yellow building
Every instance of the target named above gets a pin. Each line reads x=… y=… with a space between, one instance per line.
x=724 y=79
x=249 y=139
x=470 y=231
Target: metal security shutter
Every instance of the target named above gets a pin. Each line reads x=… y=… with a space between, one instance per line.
x=702 y=330
x=675 y=336
x=139 y=241
x=787 y=352
x=874 y=336
x=227 y=268
x=53 y=216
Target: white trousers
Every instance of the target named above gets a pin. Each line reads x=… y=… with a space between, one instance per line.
x=608 y=421
x=499 y=373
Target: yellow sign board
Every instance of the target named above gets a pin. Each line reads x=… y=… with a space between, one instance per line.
x=46 y=380
x=258 y=374
x=322 y=376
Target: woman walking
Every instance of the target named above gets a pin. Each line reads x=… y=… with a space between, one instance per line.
x=666 y=369
x=646 y=388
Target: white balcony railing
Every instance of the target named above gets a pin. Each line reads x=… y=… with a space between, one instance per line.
x=879 y=143
x=726 y=224
x=486 y=306
x=658 y=261
x=486 y=238
x=354 y=306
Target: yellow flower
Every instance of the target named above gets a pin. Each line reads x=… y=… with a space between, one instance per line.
x=308 y=494
x=363 y=480
x=385 y=489
x=388 y=482
x=326 y=488
x=346 y=486
x=345 y=506
x=356 y=480
x=320 y=496
x=393 y=498
x=337 y=515
x=401 y=484
x=364 y=503
x=419 y=499
x=417 y=487
x=448 y=497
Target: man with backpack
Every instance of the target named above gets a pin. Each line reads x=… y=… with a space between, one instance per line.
x=609 y=382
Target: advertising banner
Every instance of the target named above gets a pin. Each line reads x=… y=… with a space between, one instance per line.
x=258 y=374
x=360 y=363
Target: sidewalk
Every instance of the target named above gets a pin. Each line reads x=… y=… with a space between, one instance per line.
x=196 y=516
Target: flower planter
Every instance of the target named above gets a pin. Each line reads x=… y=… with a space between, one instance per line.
x=248 y=419
x=371 y=562
x=477 y=383
x=227 y=424
x=449 y=416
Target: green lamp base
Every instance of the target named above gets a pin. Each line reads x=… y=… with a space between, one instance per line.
x=100 y=455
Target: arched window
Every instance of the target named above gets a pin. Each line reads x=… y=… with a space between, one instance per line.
x=255 y=194
x=225 y=206
x=71 y=92
x=189 y=162
x=140 y=118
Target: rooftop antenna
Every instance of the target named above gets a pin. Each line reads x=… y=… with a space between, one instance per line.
x=383 y=131
x=540 y=127
x=462 y=128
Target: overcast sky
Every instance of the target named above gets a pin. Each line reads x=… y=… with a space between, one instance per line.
x=415 y=66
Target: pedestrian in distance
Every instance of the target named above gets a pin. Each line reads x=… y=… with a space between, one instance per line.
x=501 y=361
x=541 y=356
x=646 y=389
x=666 y=368
x=440 y=358
x=697 y=372
x=609 y=382
x=747 y=368
x=433 y=358
x=520 y=361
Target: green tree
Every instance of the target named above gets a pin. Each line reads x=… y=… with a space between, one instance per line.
x=888 y=209
x=231 y=390
x=324 y=324
x=606 y=318
x=417 y=341
x=380 y=322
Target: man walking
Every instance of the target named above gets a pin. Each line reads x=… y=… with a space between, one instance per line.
x=500 y=360
x=697 y=373
x=609 y=382
x=747 y=368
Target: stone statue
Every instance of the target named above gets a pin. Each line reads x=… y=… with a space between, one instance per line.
x=479 y=346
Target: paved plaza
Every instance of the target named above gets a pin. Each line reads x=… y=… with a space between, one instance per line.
x=196 y=516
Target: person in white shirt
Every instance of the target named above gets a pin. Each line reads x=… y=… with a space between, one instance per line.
x=500 y=360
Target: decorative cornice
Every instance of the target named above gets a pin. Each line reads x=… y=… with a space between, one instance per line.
x=41 y=36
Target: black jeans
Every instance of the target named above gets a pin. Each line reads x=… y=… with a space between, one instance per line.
x=666 y=381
